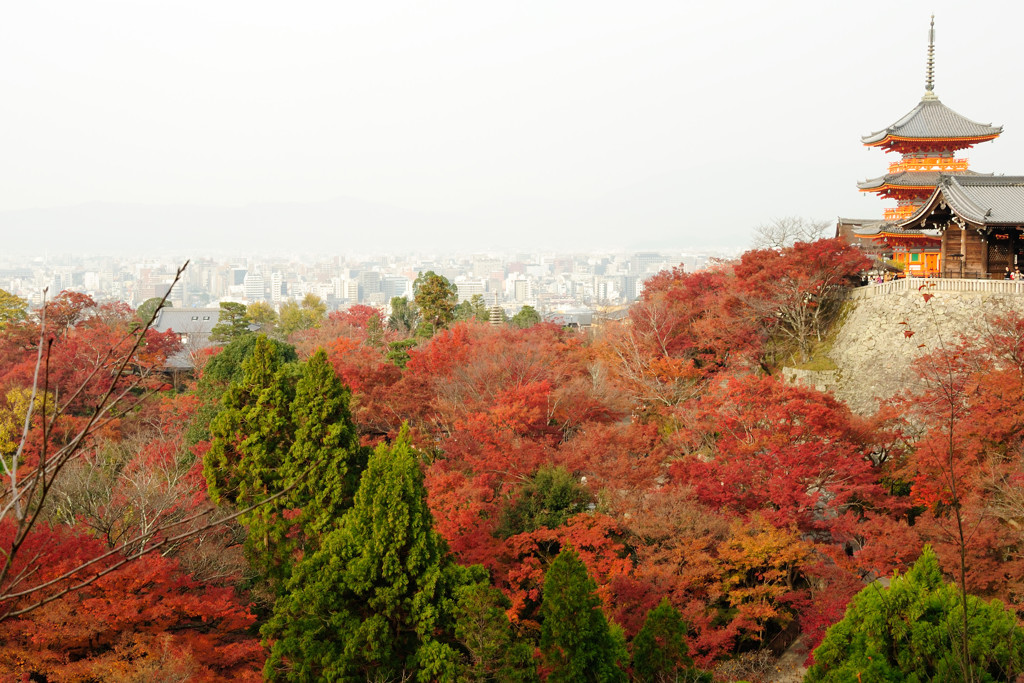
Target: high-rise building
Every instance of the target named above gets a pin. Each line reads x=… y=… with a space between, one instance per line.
x=254 y=287
x=468 y=289
x=276 y=283
x=522 y=290
x=369 y=285
x=643 y=262
x=395 y=285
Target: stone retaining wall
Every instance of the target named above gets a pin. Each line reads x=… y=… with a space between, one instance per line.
x=872 y=352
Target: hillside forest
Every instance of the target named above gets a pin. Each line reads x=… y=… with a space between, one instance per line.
x=439 y=495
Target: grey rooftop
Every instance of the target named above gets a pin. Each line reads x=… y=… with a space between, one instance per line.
x=985 y=200
x=932 y=119
x=911 y=179
x=191 y=321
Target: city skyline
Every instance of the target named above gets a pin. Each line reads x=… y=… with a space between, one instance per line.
x=549 y=282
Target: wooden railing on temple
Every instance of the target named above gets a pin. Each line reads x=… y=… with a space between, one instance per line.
x=899 y=213
x=933 y=285
x=938 y=164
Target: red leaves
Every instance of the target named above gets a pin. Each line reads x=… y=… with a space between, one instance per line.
x=908 y=333
x=789 y=452
x=146 y=614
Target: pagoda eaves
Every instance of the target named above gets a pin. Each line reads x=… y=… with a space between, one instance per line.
x=929 y=126
x=895 y=184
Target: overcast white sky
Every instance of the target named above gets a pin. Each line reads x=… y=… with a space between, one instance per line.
x=475 y=123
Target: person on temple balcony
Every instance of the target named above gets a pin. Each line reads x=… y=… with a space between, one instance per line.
x=1007 y=275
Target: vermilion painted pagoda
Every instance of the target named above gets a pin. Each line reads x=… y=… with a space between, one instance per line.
x=927 y=139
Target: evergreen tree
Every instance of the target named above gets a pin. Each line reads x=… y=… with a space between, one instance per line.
x=252 y=434
x=325 y=452
x=473 y=308
x=376 y=600
x=280 y=433
x=548 y=500
x=494 y=652
x=911 y=630
x=526 y=317
x=577 y=644
x=404 y=315
x=144 y=313
x=251 y=424
x=226 y=366
x=398 y=351
x=232 y=323
x=436 y=298
x=659 y=651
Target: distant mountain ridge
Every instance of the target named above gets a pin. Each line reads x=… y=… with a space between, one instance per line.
x=620 y=221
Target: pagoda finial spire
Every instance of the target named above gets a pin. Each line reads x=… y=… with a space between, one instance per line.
x=929 y=79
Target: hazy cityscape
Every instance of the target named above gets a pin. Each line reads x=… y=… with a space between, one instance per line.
x=554 y=284
x=472 y=342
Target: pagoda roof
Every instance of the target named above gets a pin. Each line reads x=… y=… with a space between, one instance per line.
x=910 y=179
x=981 y=200
x=879 y=229
x=864 y=228
x=932 y=120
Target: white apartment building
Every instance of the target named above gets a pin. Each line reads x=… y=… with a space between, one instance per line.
x=253 y=287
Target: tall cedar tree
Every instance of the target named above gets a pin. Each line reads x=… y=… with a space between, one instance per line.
x=576 y=641
x=436 y=299
x=495 y=653
x=271 y=435
x=377 y=598
x=659 y=651
x=910 y=632
x=325 y=457
x=249 y=430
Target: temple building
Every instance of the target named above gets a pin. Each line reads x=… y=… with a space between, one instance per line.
x=926 y=182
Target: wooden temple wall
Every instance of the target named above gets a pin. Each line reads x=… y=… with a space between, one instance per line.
x=975 y=254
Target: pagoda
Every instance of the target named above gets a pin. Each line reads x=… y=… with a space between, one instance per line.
x=927 y=140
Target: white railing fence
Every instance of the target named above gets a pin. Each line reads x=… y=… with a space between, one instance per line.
x=924 y=284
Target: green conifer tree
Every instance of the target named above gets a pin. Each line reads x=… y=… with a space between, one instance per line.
x=911 y=630
x=526 y=317
x=251 y=424
x=435 y=298
x=245 y=464
x=495 y=653
x=232 y=323
x=284 y=430
x=325 y=458
x=577 y=644
x=376 y=600
x=659 y=651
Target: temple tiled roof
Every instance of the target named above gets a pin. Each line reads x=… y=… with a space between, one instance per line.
x=860 y=226
x=985 y=200
x=909 y=179
x=194 y=323
x=931 y=119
